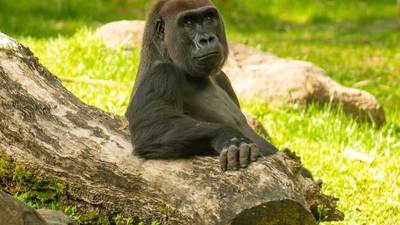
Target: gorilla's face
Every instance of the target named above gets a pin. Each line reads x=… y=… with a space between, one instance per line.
x=195 y=40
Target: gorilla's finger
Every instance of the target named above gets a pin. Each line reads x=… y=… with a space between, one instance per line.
x=244 y=155
x=223 y=157
x=233 y=163
x=236 y=141
x=254 y=152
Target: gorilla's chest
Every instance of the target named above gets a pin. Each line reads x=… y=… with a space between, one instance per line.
x=212 y=104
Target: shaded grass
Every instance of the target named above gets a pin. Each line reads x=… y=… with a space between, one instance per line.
x=356 y=42
x=49 y=18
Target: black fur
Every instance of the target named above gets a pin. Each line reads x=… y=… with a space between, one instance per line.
x=182 y=103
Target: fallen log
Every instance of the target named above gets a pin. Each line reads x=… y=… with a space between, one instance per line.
x=42 y=124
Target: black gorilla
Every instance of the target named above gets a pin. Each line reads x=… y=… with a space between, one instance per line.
x=182 y=103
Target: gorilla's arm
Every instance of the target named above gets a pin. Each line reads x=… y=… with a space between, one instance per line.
x=266 y=148
x=160 y=129
x=224 y=83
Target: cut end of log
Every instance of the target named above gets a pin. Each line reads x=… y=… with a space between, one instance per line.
x=286 y=212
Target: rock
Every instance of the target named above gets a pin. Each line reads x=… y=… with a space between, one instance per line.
x=264 y=77
x=127 y=34
x=53 y=217
x=15 y=212
x=269 y=79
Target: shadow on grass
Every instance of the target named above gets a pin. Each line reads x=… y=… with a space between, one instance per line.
x=339 y=34
x=47 y=18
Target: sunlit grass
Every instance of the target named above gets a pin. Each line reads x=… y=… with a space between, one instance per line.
x=359 y=165
x=356 y=42
x=85 y=57
x=326 y=140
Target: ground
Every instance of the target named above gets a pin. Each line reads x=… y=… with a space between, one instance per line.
x=356 y=42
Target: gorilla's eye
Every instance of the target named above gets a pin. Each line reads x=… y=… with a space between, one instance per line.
x=209 y=20
x=188 y=23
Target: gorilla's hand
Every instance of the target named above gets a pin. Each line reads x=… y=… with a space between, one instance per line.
x=238 y=153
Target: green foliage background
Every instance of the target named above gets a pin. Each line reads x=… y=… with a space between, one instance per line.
x=356 y=41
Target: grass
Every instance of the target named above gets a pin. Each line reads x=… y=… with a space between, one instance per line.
x=356 y=42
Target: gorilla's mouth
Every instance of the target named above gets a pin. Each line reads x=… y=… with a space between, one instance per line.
x=207 y=56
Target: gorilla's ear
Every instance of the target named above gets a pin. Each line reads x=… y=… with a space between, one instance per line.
x=160 y=25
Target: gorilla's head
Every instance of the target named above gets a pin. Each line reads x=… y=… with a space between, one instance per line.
x=191 y=34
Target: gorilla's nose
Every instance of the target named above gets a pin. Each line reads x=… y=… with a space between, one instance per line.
x=206 y=40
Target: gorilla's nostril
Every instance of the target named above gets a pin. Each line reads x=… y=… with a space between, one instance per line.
x=204 y=41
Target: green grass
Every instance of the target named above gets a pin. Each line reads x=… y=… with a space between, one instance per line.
x=356 y=42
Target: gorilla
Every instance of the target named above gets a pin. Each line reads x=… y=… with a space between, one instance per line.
x=182 y=103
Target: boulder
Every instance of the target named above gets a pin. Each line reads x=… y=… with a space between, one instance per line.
x=291 y=83
x=53 y=217
x=15 y=212
x=125 y=33
x=266 y=78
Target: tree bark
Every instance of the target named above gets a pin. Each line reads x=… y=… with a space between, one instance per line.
x=44 y=125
